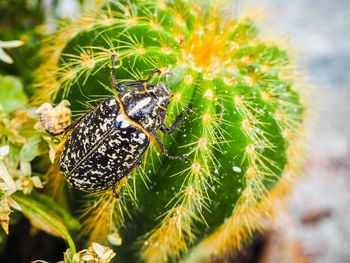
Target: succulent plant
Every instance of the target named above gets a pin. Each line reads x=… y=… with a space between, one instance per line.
x=243 y=134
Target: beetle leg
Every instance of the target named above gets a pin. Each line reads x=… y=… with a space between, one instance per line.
x=115 y=193
x=69 y=127
x=114 y=82
x=128 y=83
x=138 y=82
x=165 y=152
x=173 y=127
x=137 y=164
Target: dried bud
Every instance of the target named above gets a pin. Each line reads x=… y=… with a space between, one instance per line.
x=55 y=119
x=98 y=253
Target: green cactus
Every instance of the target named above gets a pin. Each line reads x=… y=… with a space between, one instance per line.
x=242 y=135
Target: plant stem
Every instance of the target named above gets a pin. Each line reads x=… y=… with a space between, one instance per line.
x=50 y=219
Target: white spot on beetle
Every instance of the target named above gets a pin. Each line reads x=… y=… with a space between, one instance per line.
x=142 y=136
x=124 y=122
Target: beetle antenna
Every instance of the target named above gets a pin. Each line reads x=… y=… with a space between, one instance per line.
x=152 y=73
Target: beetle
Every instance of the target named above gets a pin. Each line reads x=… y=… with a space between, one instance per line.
x=107 y=143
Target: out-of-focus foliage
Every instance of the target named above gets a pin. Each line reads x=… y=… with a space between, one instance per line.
x=22 y=20
x=22 y=147
x=8 y=44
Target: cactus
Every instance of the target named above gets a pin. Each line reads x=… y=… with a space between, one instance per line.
x=243 y=135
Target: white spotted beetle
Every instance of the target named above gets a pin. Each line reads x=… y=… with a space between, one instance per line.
x=108 y=142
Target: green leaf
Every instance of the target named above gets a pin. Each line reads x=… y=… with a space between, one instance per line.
x=12 y=95
x=30 y=150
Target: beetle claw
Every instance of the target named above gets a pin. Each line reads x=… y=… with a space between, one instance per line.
x=185 y=158
x=115 y=193
x=170 y=73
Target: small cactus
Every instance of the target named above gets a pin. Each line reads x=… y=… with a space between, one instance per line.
x=242 y=134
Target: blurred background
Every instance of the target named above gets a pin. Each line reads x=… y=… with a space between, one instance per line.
x=318 y=217
x=316 y=226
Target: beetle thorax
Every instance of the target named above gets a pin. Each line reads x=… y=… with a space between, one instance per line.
x=146 y=106
x=161 y=94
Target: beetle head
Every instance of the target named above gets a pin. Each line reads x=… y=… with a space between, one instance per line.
x=161 y=93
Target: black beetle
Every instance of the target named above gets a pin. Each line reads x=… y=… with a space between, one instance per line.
x=108 y=142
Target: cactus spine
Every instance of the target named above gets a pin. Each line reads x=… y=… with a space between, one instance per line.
x=242 y=135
